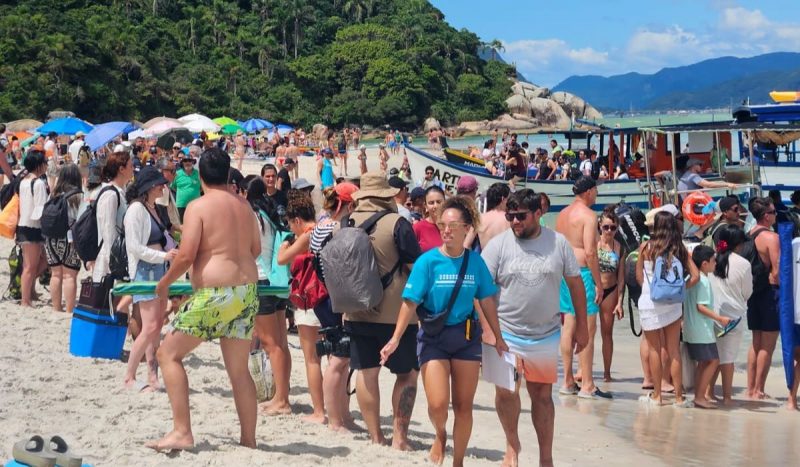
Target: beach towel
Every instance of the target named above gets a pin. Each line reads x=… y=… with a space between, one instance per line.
x=185 y=288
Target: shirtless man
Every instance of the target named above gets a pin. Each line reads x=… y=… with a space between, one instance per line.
x=291 y=153
x=240 y=143
x=578 y=223
x=762 y=307
x=224 y=303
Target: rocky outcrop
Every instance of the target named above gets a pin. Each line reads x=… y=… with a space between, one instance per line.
x=529 y=102
x=431 y=124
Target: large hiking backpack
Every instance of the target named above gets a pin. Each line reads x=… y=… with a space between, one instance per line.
x=632 y=229
x=351 y=272
x=84 y=230
x=667 y=285
x=55 y=215
x=760 y=271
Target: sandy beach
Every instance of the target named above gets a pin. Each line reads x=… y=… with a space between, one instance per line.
x=44 y=390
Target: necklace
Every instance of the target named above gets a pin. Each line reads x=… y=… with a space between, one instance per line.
x=444 y=252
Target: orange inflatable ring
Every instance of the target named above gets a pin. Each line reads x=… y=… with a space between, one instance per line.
x=693 y=208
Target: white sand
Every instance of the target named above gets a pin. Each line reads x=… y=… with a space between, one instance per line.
x=45 y=390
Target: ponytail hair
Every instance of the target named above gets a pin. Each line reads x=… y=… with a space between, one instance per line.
x=730 y=237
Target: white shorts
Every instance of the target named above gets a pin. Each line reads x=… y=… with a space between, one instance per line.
x=728 y=345
x=305 y=318
x=653 y=320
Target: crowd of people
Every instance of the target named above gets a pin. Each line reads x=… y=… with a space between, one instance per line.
x=452 y=279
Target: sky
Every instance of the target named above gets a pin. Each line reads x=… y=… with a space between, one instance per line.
x=552 y=40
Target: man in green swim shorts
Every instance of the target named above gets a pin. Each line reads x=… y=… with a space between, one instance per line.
x=224 y=303
x=578 y=223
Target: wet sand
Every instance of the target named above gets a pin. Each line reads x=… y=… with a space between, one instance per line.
x=45 y=390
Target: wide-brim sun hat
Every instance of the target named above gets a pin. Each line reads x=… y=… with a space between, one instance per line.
x=148 y=178
x=375 y=185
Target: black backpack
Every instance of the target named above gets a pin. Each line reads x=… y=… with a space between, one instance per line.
x=118 y=258
x=759 y=269
x=55 y=215
x=11 y=188
x=84 y=230
x=632 y=229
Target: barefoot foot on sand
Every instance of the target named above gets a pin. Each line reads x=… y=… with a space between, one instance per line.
x=704 y=404
x=401 y=444
x=172 y=441
x=315 y=418
x=437 y=449
x=511 y=459
x=272 y=410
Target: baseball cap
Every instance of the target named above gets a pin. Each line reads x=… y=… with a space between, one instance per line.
x=583 y=184
x=650 y=217
x=466 y=184
x=176 y=145
x=327 y=151
x=120 y=148
x=301 y=183
x=79 y=134
x=727 y=203
x=397 y=182
x=692 y=162
x=345 y=191
x=417 y=193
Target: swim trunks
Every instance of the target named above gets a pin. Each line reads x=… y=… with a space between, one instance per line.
x=214 y=312
x=537 y=359
x=588 y=285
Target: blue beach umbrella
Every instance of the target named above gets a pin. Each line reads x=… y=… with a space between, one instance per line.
x=254 y=125
x=105 y=132
x=786 y=300
x=65 y=126
x=283 y=128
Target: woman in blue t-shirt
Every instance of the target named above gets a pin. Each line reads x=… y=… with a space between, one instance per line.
x=455 y=353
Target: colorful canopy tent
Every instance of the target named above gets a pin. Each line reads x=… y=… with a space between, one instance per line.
x=222 y=121
x=65 y=126
x=254 y=125
x=231 y=129
x=27 y=125
x=105 y=132
x=197 y=123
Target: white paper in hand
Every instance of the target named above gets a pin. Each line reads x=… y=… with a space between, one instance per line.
x=498 y=370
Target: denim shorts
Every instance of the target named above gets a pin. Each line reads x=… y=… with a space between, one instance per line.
x=450 y=344
x=148 y=272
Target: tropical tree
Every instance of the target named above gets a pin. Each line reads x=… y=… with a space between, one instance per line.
x=496 y=46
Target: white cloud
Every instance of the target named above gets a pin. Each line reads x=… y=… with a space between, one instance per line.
x=545 y=61
x=646 y=43
x=752 y=23
x=588 y=55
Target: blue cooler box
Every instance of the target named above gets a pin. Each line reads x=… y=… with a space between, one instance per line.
x=96 y=333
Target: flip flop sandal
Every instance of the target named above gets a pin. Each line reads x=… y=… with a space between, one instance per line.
x=570 y=391
x=64 y=455
x=596 y=394
x=34 y=456
x=729 y=327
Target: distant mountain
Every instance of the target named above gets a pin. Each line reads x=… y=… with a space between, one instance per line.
x=711 y=83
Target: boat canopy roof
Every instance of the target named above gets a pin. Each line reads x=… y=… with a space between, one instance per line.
x=713 y=127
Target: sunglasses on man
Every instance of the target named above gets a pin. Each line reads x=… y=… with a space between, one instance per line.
x=519 y=216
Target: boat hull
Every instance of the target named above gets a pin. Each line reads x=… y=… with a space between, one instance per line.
x=461 y=158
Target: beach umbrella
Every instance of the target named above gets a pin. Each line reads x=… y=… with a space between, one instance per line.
x=254 y=125
x=26 y=124
x=231 y=129
x=169 y=137
x=222 y=121
x=105 y=132
x=786 y=312
x=155 y=121
x=163 y=126
x=65 y=126
x=197 y=123
x=283 y=128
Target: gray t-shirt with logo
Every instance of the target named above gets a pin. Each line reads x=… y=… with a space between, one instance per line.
x=528 y=273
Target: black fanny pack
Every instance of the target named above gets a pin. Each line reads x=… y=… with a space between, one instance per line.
x=432 y=324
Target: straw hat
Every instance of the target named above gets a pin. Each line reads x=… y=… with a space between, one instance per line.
x=375 y=185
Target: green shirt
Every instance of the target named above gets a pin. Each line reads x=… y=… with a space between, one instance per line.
x=719 y=157
x=698 y=328
x=187 y=187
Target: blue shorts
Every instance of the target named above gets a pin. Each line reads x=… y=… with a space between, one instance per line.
x=450 y=344
x=148 y=272
x=588 y=285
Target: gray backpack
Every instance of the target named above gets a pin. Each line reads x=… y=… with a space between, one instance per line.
x=352 y=276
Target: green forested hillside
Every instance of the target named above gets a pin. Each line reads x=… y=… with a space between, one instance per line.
x=300 y=61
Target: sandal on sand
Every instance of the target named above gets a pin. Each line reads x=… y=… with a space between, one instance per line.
x=569 y=391
x=34 y=456
x=64 y=455
x=140 y=386
x=686 y=404
x=596 y=394
x=648 y=400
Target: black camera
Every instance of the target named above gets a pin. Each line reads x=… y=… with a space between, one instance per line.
x=335 y=342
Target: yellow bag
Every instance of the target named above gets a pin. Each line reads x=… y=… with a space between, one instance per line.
x=9 y=218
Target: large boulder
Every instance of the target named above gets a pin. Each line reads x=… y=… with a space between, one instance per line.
x=574 y=105
x=549 y=113
x=474 y=126
x=431 y=124
x=508 y=122
x=528 y=90
x=518 y=104
x=319 y=131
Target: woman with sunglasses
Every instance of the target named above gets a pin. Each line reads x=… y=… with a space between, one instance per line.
x=427 y=233
x=612 y=279
x=451 y=359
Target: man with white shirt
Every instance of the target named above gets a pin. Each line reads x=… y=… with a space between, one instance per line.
x=401 y=197
x=76 y=145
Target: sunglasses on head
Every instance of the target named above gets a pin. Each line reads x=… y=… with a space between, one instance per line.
x=609 y=228
x=520 y=216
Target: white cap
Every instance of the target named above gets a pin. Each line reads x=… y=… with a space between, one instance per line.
x=120 y=148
